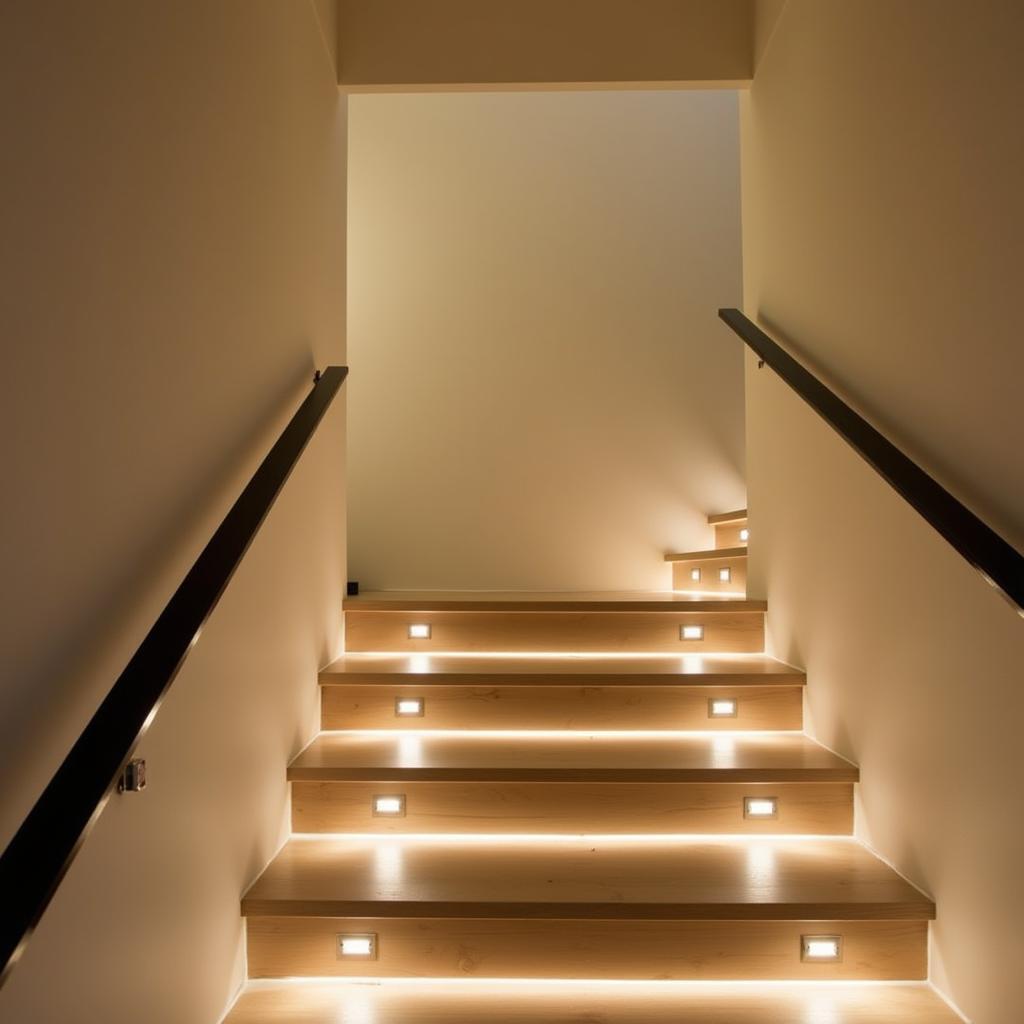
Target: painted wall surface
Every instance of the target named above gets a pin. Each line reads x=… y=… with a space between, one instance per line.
x=883 y=242
x=172 y=267
x=542 y=395
x=544 y=43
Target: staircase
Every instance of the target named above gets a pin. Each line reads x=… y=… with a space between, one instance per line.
x=583 y=808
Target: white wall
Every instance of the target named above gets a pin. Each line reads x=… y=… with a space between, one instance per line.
x=172 y=267
x=882 y=239
x=542 y=396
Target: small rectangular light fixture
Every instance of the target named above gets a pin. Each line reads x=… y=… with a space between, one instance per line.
x=409 y=707
x=389 y=805
x=695 y=575
x=357 y=947
x=691 y=632
x=821 y=948
x=419 y=631
x=744 y=535
x=725 y=575
x=722 y=707
x=760 y=807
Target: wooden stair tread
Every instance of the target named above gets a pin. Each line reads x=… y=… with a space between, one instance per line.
x=570 y=670
x=583 y=878
x=546 y=601
x=659 y=1002
x=584 y=757
x=721 y=518
x=693 y=556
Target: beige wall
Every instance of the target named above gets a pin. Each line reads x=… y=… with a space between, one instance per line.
x=172 y=266
x=327 y=16
x=542 y=396
x=882 y=240
x=544 y=43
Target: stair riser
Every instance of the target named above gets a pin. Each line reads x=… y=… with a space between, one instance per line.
x=709 y=581
x=728 y=535
x=562 y=707
x=572 y=632
x=598 y=949
x=569 y=807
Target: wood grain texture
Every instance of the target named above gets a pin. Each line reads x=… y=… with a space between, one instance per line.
x=561 y=707
x=573 y=632
x=668 y=758
x=604 y=808
x=593 y=949
x=569 y=669
x=540 y=601
x=546 y=878
x=494 y=1002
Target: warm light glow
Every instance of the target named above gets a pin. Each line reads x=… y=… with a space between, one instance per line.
x=722 y=707
x=725 y=575
x=389 y=806
x=409 y=707
x=410 y=749
x=362 y=946
x=820 y=947
x=691 y=632
x=822 y=988
x=419 y=631
x=760 y=807
x=744 y=535
x=695 y=575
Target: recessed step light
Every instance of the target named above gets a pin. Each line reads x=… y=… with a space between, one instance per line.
x=419 y=631
x=410 y=707
x=722 y=707
x=358 y=947
x=389 y=805
x=695 y=575
x=691 y=632
x=744 y=535
x=725 y=575
x=821 y=948
x=760 y=807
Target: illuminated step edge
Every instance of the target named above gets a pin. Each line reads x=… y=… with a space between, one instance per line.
x=536 y=1001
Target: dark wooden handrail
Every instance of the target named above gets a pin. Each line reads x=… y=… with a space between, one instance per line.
x=1000 y=564
x=43 y=848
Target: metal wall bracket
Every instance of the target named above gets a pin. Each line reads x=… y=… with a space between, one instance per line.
x=133 y=778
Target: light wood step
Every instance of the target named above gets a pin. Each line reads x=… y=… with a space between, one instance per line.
x=587 y=757
x=728 y=518
x=655 y=783
x=584 y=908
x=730 y=528
x=552 y=622
x=561 y=692
x=703 y=571
x=762 y=879
x=693 y=669
x=491 y=1002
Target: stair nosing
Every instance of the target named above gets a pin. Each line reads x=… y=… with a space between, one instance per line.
x=828 y=910
x=669 y=604
x=664 y=776
x=706 y=556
